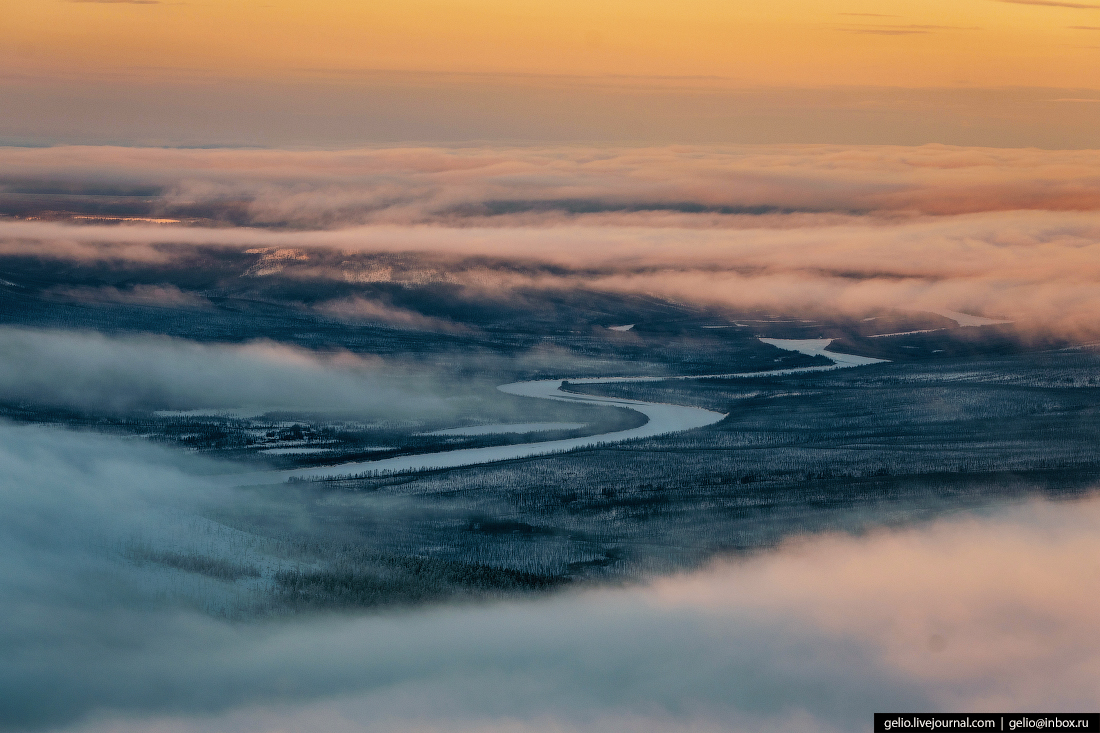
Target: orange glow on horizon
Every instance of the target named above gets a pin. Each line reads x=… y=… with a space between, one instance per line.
x=977 y=43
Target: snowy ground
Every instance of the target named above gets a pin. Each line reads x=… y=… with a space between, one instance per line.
x=526 y=427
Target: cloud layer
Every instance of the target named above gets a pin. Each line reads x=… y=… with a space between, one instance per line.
x=1004 y=233
x=974 y=612
x=88 y=370
x=431 y=185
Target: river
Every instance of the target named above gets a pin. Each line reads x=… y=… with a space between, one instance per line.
x=661 y=419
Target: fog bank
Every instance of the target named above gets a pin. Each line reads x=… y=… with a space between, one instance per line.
x=980 y=611
x=1005 y=233
x=89 y=370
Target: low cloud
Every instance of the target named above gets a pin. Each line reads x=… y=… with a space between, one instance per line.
x=166 y=295
x=119 y=373
x=973 y=612
x=373 y=311
x=1037 y=268
x=1005 y=233
x=476 y=186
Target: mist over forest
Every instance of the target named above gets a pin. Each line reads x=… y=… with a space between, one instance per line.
x=800 y=432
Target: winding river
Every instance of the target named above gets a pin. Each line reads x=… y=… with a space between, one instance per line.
x=661 y=419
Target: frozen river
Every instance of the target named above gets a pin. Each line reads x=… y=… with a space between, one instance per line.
x=661 y=419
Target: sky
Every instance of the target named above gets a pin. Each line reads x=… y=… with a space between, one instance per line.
x=342 y=73
x=974 y=43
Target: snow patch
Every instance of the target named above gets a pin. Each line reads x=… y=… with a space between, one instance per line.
x=905 y=333
x=292 y=451
x=527 y=427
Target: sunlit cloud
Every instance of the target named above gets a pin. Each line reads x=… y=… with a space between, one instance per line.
x=1007 y=233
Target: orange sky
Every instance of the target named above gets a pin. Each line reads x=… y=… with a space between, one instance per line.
x=914 y=43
